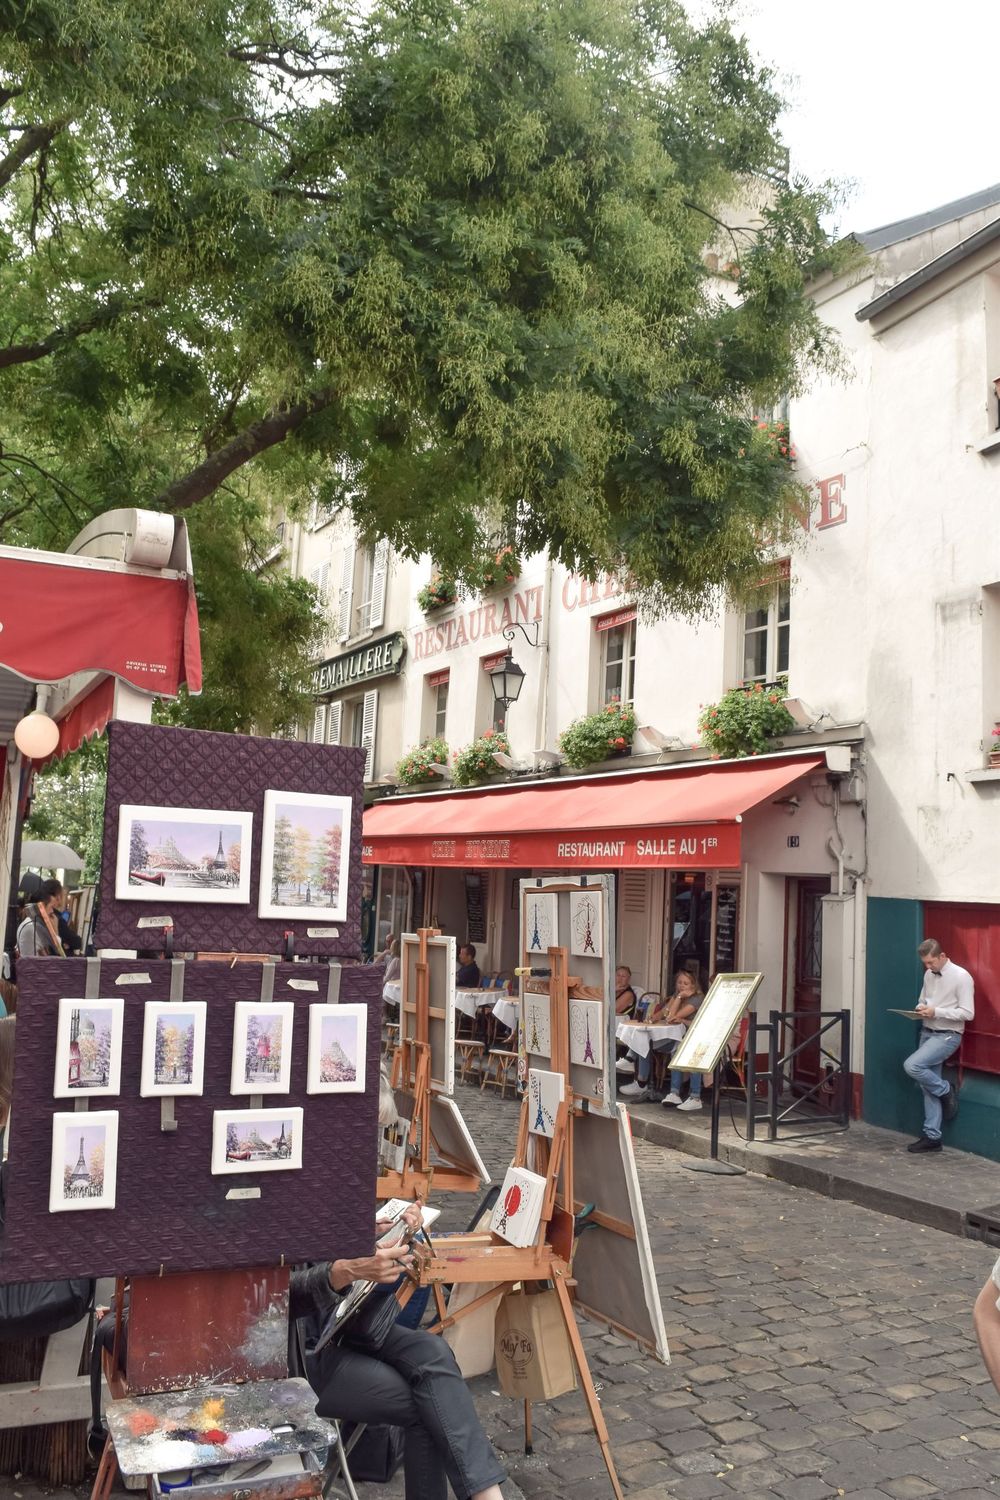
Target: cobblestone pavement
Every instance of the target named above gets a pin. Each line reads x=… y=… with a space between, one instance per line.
x=818 y=1349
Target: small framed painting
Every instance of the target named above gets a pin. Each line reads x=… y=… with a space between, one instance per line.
x=256 y=1140
x=586 y=1033
x=540 y=931
x=518 y=1209
x=89 y=1048
x=586 y=929
x=169 y=854
x=546 y=1092
x=304 y=856
x=338 y=1037
x=262 y=1047
x=84 y=1160
x=537 y=1033
x=173 y=1048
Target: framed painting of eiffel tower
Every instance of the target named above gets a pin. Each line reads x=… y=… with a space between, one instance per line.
x=84 y=1160
x=586 y=1038
x=540 y=929
x=338 y=1040
x=168 y=854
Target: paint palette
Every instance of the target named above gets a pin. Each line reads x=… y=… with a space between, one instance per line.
x=216 y=1426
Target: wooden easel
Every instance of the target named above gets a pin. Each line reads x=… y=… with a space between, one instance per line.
x=411 y=1070
x=486 y=1259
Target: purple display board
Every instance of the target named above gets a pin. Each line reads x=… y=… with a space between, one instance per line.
x=150 y=765
x=170 y=1210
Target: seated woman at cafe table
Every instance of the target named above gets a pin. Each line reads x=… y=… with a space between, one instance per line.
x=677 y=1010
x=412 y=1381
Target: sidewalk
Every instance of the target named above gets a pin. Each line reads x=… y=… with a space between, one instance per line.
x=863 y=1165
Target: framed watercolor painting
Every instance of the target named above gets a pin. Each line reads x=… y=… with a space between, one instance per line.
x=304 y=856
x=84 y=1160
x=256 y=1140
x=338 y=1037
x=169 y=854
x=586 y=927
x=540 y=928
x=173 y=1048
x=88 y=1048
x=262 y=1047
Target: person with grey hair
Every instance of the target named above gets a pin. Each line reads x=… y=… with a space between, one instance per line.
x=947 y=1001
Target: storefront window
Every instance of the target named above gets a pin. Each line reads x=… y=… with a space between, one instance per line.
x=394 y=905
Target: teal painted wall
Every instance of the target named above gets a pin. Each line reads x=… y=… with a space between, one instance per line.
x=893 y=978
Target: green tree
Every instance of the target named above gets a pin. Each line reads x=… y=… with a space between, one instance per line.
x=442 y=264
x=281 y=859
x=68 y=804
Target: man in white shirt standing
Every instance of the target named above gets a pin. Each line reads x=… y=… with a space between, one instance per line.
x=946 y=1003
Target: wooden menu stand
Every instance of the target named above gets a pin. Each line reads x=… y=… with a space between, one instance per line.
x=487 y=1260
x=411 y=1070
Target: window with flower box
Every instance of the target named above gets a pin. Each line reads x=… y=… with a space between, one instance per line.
x=617 y=634
x=766 y=630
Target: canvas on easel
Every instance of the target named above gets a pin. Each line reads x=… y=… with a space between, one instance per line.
x=586 y=923
x=536 y=1025
x=518 y=1209
x=546 y=1092
x=540 y=927
x=586 y=1033
x=441 y=963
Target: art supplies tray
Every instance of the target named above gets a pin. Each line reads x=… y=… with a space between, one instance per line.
x=216 y=1425
x=279 y=1480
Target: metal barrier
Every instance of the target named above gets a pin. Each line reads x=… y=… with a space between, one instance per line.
x=784 y=1107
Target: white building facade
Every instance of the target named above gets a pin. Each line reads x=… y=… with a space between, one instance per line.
x=859 y=835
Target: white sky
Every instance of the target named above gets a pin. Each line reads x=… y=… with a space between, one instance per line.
x=899 y=98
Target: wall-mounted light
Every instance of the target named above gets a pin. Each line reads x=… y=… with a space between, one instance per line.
x=36 y=735
x=507 y=678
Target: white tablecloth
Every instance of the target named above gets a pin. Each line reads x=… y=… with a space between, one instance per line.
x=641 y=1038
x=506 y=1012
x=469 y=1001
x=392 y=992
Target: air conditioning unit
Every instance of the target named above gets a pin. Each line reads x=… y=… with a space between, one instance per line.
x=143 y=538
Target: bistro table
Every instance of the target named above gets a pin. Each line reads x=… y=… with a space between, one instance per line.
x=506 y=1012
x=467 y=1001
x=639 y=1036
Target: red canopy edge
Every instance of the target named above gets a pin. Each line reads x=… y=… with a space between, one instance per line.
x=61 y=618
x=88 y=718
x=652 y=820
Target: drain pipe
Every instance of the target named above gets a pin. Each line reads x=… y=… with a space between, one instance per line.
x=542 y=711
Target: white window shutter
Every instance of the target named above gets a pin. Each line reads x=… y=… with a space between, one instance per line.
x=333 y=718
x=369 y=724
x=346 y=592
x=320 y=579
x=380 y=572
x=319 y=724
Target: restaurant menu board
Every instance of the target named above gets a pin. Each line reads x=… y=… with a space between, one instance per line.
x=727 y=905
x=475 y=915
x=718 y=1016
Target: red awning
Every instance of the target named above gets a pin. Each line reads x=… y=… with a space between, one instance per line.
x=81 y=615
x=655 y=819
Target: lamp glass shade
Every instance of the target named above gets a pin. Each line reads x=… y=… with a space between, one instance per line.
x=507 y=678
x=36 y=736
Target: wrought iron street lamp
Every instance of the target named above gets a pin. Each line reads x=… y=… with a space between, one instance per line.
x=506 y=679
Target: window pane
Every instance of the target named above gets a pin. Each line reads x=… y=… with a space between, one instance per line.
x=756 y=618
x=755 y=656
x=441 y=709
x=616 y=646
x=499 y=713
x=784 y=600
x=782 y=663
x=628 y=686
x=357 y=723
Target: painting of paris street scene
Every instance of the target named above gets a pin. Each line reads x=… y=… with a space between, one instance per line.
x=173 y=1048
x=305 y=847
x=256 y=1140
x=84 y=1160
x=337 y=1039
x=262 y=1047
x=169 y=854
x=88 y=1047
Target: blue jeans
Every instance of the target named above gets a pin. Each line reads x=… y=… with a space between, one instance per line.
x=644 y=1065
x=924 y=1067
x=677 y=1078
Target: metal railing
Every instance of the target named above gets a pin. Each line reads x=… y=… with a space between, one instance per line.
x=789 y=1034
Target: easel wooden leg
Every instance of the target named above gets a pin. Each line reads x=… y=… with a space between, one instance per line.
x=107 y=1472
x=583 y=1370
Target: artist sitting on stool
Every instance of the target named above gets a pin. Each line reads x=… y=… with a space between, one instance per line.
x=413 y=1382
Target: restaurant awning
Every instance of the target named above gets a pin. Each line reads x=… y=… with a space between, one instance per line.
x=660 y=818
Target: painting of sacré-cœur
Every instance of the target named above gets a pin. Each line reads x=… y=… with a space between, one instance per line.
x=168 y=854
x=305 y=849
x=337 y=1039
x=88 y=1047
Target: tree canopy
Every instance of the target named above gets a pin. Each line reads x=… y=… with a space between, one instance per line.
x=441 y=264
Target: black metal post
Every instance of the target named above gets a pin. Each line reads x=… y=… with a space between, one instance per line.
x=750 y=1073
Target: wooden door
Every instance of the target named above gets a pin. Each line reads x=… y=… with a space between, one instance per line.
x=808 y=970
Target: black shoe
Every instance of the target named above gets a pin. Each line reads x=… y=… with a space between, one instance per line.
x=924 y=1144
x=949 y=1103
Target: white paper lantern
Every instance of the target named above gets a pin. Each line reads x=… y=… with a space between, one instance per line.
x=36 y=736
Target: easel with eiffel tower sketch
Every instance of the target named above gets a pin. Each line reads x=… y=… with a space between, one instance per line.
x=414 y=1075
x=486 y=1259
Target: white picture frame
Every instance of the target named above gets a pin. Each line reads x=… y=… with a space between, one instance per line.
x=546 y=1091
x=518 y=1210
x=537 y=1025
x=262 y=1047
x=540 y=930
x=84 y=1167
x=88 y=1049
x=297 y=856
x=161 y=856
x=271 y=1127
x=173 y=1048
x=344 y=1028
x=586 y=922
x=586 y=1033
